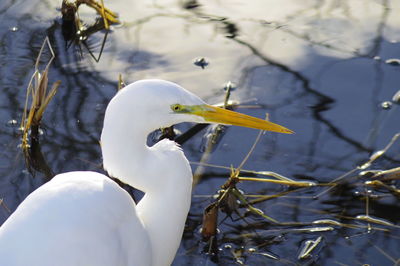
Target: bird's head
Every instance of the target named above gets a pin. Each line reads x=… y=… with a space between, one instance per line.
x=162 y=103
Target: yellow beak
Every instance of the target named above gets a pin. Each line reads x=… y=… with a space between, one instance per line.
x=223 y=116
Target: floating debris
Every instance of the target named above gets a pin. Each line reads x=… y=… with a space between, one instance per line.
x=230 y=86
x=14 y=29
x=230 y=28
x=12 y=122
x=249 y=206
x=379 y=153
x=121 y=82
x=380 y=184
x=76 y=31
x=396 y=97
x=390 y=174
x=265 y=254
x=365 y=165
x=268 y=255
x=228 y=204
x=334 y=223
x=251 y=250
x=386 y=105
x=374 y=220
x=190 y=4
x=327 y=221
x=282 y=182
x=258 y=211
x=308 y=247
x=69 y=10
x=212 y=137
x=393 y=62
x=227 y=246
x=210 y=221
x=369 y=173
x=319 y=229
x=201 y=62
x=376 y=155
x=239 y=261
x=5 y=206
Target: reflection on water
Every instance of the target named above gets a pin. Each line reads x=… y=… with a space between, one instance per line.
x=317 y=67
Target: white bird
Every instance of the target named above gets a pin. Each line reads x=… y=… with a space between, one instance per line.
x=84 y=218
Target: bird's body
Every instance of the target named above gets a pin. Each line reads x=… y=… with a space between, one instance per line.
x=61 y=221
x=84 y=218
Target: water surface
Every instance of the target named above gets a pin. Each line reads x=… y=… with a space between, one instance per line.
x=318 y=67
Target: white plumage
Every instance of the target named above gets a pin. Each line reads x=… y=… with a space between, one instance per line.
x=84 y=218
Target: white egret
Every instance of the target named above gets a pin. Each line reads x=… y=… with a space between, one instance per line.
x=84 y=218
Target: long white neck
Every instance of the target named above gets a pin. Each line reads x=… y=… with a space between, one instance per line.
x=163 y=173
x=164 y=214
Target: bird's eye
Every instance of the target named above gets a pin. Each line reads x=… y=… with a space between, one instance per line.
x=176 y=107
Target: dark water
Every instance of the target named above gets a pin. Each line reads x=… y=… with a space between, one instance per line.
x=319 y=68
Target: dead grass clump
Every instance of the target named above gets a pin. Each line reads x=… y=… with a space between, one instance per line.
x=40 y=96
